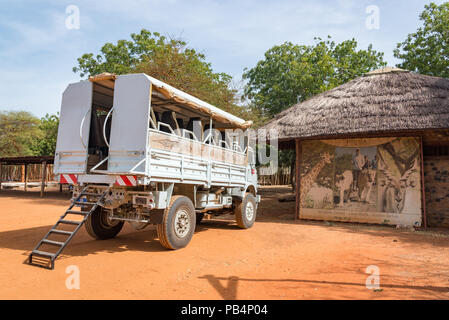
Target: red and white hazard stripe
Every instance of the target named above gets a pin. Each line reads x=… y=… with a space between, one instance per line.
x=68 y=178
x=129 y=181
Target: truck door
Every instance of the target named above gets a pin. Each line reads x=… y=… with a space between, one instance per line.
x=130 y=123
x=73 y=130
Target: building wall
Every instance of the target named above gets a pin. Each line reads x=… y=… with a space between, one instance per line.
x=436 y=182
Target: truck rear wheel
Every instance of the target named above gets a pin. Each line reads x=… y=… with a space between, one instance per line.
x=245 y=211
x=178 y=223
x=100 y=227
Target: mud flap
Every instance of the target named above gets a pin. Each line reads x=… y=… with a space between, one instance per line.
x=156 y=216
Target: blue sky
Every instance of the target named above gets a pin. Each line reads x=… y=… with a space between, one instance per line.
x=37 y=51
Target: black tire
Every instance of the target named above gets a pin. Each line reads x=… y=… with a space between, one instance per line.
x=171 y=235
x=199 y=217
x=244 y=219
x=98 y=227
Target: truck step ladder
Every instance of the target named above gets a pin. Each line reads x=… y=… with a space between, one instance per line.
x=46 y=259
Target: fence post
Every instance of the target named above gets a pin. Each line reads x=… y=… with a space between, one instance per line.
x=44 y=177
x=298 y=182
x=25 y=178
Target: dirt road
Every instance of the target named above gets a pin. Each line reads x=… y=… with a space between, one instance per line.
x=276 y=259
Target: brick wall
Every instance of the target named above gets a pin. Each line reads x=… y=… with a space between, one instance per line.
x=436 y=179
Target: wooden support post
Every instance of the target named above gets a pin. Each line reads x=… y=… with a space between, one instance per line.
x=22 y=176
x=298 y=182
x=60 y=187
x=1 y=175
x=44 y=177
x=25 y=178
x=423 y=196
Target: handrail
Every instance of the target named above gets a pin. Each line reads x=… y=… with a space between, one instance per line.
x=81 y=128
x=207 y=138
x=94 y=169
x=167 y=126
x=104 y=127
x=226 y=145
x=210 y=137
x=184 y=131
x=154 y=125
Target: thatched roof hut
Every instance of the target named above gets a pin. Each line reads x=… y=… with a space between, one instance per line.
x=385 y=100
x=354 y=127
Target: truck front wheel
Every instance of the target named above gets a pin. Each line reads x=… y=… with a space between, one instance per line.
x=245 y=211
x=178 y=223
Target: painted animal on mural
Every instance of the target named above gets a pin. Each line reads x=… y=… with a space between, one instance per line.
x=365 y=182
x=395 y=187
x=309 y=178
x=344 y=185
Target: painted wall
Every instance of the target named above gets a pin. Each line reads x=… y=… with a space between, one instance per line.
x=436 y=182
x=372 y=180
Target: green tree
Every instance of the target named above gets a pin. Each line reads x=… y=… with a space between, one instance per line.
x=124 y=56
x=169 y=60
x=427 y=50
x=291 y=73
x=18 y=132
x=46 y=144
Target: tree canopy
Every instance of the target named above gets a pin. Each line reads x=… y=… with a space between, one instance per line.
x=427 y=50
x=19 y=130
x=23 y=134
x=290 y=73
x=46 y=144
x=169 y=60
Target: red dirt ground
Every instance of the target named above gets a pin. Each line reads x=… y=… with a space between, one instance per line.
x=277 y=259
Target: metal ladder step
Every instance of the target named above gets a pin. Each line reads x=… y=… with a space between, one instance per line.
x=62 y=244
x=54 y=243
x=43 y=253
x=61 y=232
x=81 y=203
x=69 y=222
x=82 y=213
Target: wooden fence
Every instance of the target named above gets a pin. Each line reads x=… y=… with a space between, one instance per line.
x=281 y=177
x=16 y=173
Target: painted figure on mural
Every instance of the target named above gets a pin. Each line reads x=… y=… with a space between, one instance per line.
x=358 y=161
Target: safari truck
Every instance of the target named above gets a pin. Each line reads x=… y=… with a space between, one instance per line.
x=137 y=150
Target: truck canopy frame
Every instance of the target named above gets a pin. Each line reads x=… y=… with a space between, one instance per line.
x=151 y=131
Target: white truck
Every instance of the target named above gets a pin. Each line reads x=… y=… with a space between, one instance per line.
x=140 y=151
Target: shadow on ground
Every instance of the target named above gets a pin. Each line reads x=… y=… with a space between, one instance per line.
x=81 y=245
x=227 y=286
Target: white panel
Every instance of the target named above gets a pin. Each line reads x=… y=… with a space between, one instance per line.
x=130 y=120
x=71 y=146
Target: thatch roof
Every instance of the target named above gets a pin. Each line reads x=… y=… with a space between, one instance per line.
x=385 y=100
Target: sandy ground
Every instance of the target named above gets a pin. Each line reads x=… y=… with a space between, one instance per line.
x=276 y=259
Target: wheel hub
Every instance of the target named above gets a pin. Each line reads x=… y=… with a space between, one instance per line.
x=182 y=223
x=249 y=212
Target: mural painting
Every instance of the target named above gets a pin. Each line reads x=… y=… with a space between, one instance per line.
x=372 y=180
